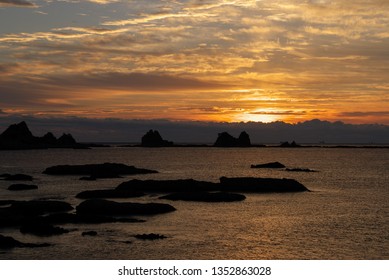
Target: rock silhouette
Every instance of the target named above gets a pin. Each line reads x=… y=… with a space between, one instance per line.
x=19 y=137
x=153 y=139
x=224 y=139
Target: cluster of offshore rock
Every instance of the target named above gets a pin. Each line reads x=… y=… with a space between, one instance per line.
x=46 y=217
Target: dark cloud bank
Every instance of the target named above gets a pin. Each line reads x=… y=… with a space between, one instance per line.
x=131 y=131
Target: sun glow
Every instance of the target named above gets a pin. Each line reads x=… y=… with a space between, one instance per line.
x=257 y=117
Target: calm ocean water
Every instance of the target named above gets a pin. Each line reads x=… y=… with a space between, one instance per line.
x=346 y=216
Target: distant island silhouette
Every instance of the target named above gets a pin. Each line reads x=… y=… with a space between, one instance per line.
x=18 y=137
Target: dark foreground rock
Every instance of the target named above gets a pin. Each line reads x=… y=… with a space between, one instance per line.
x=105 y=170
x=243 y=184
x=41 y=229
x=17 y=213
x=205 y=196
x=22 y=187
x=7 y=242
x=17 y=177
x=38 y=207
x=150 y=236
x=268 y=165
x=112 y=208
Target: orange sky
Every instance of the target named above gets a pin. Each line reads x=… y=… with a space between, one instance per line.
x=214 y=60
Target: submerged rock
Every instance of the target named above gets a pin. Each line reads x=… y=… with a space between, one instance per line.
x=205 y=196
x=111 y=208
x=21 y=187
x=269 y=165
x=105 y=170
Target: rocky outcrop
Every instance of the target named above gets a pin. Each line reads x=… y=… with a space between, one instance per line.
x=105 y=170
x=112 y=208
x=153 y=139
x=22 y=187
x=224 y=139
x=19 y=137
x=268 y=165
x=205 y=196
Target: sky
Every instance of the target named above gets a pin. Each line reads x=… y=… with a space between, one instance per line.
x=209 y=60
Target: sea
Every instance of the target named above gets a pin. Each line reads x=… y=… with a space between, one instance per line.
x=344 y=216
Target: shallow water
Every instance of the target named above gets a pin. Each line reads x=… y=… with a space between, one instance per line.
x=346 y=216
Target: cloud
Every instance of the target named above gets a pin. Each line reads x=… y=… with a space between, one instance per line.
x=17 y=3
